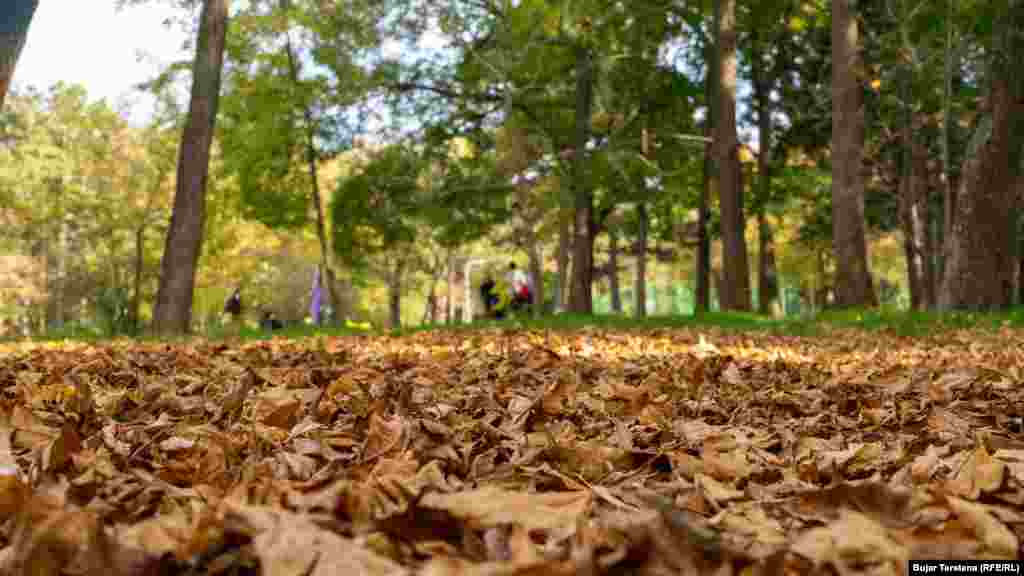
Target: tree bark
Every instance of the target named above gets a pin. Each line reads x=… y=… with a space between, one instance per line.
x=581 y=298
x=395 y=296
x=914 y=218
x=564 y=248
x=948 y=187
x=981 y=250
x=15 y=19
x=536 y=266
x=613 y=271
x=980 y=261
x=853 y=286
x=173 y=313
x=767 y=286
x=703 y=296
x=702 y=301
x=140 y=238
x=453 y=280
x=640 y=278
x=767 y=275
x=735 y=269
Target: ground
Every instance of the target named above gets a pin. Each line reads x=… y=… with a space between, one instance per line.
x=514 y=451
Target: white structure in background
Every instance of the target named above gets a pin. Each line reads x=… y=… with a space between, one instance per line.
x=467 y=308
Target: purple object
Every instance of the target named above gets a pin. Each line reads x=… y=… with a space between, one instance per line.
x=314 y=306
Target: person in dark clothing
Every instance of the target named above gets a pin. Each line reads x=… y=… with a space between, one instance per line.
x=490 y=299
x=233 y=311
x=233 y=305
x=270 y=322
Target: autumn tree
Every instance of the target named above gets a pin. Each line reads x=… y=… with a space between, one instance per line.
x=853 y=286
x=980 y=249
x=280 y=118
x=173 y=312
x=377 y=211
x=735 y=290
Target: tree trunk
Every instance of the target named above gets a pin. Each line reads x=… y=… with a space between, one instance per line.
x=914 y=190
x=437 y=270
x=581 y=298
x=767 y=276
x=1020 y=279
x=767 y=287
x=536 y=267
x=140 y=239
x=173 y=313
x=853 y=287
x=640 y=279
x=735 y=268
x=314 y=182
x=948 y=188
x=395 y=296
x=914 y=218
x=702 y=301
x=62 y=269
x=15 y=19
x=703 y=296
x=980 y=262
x=564 y=246
x=613 y=271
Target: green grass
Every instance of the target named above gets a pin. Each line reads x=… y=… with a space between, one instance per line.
x=915 y=323
x=900 y=322
x=567 y=321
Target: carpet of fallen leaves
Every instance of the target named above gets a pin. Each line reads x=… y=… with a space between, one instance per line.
x=512 y=453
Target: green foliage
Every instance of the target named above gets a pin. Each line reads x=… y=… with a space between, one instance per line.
x=112 y=311
x=377 y=209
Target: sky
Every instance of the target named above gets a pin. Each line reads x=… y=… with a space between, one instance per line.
x=108 y=51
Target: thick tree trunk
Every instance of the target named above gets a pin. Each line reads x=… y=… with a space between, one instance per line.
x=640 y=277
x=736 y=272
x=581 y=298
x=980 y=261
x=173 y=313
x=853 y=286
x=613 y=271
x=15 y=19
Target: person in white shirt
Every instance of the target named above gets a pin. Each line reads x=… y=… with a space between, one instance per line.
x=518 y=286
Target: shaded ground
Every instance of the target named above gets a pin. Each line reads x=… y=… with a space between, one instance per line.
x=513 y=453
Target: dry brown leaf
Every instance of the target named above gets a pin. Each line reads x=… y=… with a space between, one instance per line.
x=278 y=408
x=980 y=473
x=998 y=540
x=489 y=507
x=384 y=435
x=291 y=545
x=514 y=452
x=854 y=539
